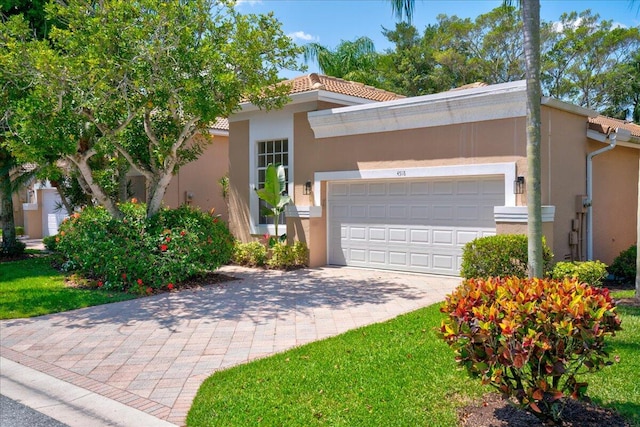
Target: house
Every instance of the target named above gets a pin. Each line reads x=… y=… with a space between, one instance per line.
x=387 y=182
x=196 y=183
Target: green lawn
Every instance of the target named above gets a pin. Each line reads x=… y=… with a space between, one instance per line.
x=32 y=287
x=618 y=386
x=396 y=373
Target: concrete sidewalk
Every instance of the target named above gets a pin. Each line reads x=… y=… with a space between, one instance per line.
x=148 y=357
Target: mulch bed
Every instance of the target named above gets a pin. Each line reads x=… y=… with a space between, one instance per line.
x=494 y=411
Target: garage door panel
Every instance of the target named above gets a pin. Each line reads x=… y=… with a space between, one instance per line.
x=420 y=261
x=357 y=189
x=397 y=211
x=443 y=237
x=378 y=211
x=397 y=235
x=377 y=257
x=358 y=212
x=463 y=236
x=420 y=236
x=338 y=189
x=398 y=258
x=443 y=261
x=416 y=225
x=419 y=188
x=377 y=189
x=397 y=189
x=442 y=213
x=418 y=212
x=493 y=187
x=377 y=234
x=467 y=187
x=467 y=213
x=442 y=187
x=358 y=255
x=357 y=233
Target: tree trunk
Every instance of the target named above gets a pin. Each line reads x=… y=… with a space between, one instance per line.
x=63 y=197
x=9 y=241
x=123 y=180
x=531 y=20
x=103 y=198
x=156 y=190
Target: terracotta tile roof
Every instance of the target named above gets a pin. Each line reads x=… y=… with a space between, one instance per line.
x=220 y=124
x=604 y=124
x=315 y=81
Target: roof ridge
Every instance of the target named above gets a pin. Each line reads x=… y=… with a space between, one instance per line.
x=316 y=81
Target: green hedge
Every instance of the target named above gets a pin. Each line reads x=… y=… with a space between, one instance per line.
x=499 y=256
x=624 y=266
x=589 y=272
x=139 y=254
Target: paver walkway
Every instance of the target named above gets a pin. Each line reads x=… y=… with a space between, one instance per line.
x=153 y=353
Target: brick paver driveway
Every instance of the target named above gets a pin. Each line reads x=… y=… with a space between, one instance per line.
x=153 y=353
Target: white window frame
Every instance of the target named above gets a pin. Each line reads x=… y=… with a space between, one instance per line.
x=270 y=126
x=275 y=153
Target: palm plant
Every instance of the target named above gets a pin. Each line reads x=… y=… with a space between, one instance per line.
x=273 y=193
x=351 y=60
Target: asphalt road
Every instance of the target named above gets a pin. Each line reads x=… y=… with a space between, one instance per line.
x=15 y=414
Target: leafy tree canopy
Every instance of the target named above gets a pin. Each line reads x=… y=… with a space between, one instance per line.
x=139 y=80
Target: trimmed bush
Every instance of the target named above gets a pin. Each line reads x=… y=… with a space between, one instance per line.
x=139 y=255
x=252 y=254
x=15 y=250
x=530 y=338
x=624 y=266
x=499 y=256
x=589 y=272
x=288 y=257
x=50 y=242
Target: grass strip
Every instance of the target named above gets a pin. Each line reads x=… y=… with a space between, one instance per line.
x=396 y=373
x=31 y=287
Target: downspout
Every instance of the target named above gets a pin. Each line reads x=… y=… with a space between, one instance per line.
x=613 y=138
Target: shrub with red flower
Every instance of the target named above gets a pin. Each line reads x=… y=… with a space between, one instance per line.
x=137 y=252
x=170 y=286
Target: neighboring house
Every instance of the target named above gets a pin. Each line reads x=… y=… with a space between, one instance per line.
x=396 y=183
x=196 y=183
x=41 y=210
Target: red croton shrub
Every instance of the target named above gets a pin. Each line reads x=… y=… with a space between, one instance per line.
x=530 y=338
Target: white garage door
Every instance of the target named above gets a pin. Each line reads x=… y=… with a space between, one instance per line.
x=417 y=225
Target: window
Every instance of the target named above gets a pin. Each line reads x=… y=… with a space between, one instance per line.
x=271 y=152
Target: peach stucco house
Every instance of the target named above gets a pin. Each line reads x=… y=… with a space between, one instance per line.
x=382 y=181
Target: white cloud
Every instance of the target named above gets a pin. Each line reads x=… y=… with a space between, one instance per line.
x=302 y=36
x=249 y=2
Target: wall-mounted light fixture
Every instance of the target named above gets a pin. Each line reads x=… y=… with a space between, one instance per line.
x=188 y=197
x=518 y=185
x=307 y=188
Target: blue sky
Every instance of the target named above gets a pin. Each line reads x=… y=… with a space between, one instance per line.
x=330 y=21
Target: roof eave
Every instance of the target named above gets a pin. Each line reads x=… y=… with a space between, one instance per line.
x=565 y=106
x=312 y=95
x=634 y=141
x=470 y=105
